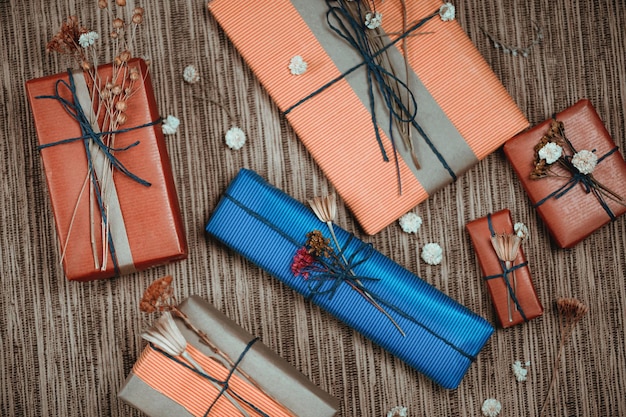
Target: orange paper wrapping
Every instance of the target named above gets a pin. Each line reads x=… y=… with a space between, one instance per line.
x=575 y=215
x=160 y=387
x=459 y=92
x=490 y=265
x=151 y=214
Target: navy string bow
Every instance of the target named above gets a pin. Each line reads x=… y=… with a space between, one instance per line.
x=89 y=136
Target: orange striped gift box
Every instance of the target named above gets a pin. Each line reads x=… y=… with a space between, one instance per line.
x=162 y=385
x=463 y=112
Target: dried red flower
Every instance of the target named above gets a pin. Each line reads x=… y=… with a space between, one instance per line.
x=159 y=296
x=301 y=261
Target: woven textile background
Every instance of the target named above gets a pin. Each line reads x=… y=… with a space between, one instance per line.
x=66 y=348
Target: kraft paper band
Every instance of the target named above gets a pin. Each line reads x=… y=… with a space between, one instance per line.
x=115 y=217
x=442 y=133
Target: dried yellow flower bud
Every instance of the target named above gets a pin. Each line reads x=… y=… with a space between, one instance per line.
x=117 y=90
x=125 y=56
x=121 y=118
x=103 y=4
x=137 y=19
x=121 y=3
x=121 y=105
x=118 y=23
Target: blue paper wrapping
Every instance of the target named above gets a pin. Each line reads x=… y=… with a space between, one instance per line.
x=267 y=227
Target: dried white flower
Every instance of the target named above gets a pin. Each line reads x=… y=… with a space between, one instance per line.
x=432 y=253
x=170 y=125
x=519 y=371
x=447 y=12
x=373 y=20
x=585 y=161
x=297 y=65
x=235 y=138
x=398 y=411
x=551 y=152
x=190 y=74
x=521 y=230
x=87 y=39
x=410 y=222
x=491 y=407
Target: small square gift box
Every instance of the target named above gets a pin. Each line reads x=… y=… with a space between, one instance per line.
x=504 y=268
x=112 y=191
x=348 y=278
x=237 y=376
x=572 y=172
x=387 y=131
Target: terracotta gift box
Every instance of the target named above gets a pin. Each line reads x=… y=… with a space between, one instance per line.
x=518 y=296
x=570 y=208
x=164 y=386
x=144 y=216
x=337 y=111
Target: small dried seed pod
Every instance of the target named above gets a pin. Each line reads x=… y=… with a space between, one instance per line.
x=118 y=23
x=103 y=4
x=85 y=65
x=114 y=35
x=109 y=85
x=121 y=105
x=138 y=10
x=125 y=56
x=117 y=90
x=137 y=19
x=128 y=91
x=118 y=61
x=134 y=75
x=105 y=94
x=121 y=3
x=121 y=118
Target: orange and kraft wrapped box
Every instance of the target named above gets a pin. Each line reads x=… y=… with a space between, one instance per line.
x=463 y=108
x=160 y=385
x=150 y=215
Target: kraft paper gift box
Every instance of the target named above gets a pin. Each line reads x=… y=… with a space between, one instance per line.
x=462 y=108
x=163 y=386
x=145 y=224
x=525 y=304
x=568 y=207
x=268 y=227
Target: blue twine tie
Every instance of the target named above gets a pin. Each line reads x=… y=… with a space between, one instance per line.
x=354 y=32
x=74 y=109
x=342 y=274
x=225 y=386
x=505 y=273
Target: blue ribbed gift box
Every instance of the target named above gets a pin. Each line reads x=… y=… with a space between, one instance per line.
x=267 y=227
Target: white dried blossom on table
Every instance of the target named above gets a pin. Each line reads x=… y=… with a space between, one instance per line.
x=398 y=411
x=170 y=125
x=297 y=65
x=447 y=12
x=491 y=407
x=410 y=222
x=519 y=370
x=87 y=39
x=190 y=74
x=585 y=161
x=432 y=253
x=235 y=138
x=551 y=152
x=521 y=230
x=373 y=20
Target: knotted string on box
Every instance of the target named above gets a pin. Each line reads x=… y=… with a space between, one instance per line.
x=89 y=136
x=342 y=274
x=353 y=31
x=506 y=272
x=587 y=181
x=224 y=385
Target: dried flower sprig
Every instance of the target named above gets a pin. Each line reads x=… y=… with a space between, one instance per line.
x=517 y=50
x=571 y=311
x=325 y=209
x=506 y=246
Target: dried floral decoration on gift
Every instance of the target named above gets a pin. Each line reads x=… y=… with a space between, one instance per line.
x=491 y=407
x=517 y=50
x=166 y=337
x=555 y=150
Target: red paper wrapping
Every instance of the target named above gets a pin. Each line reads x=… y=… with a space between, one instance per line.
x=151 y=214
x=490 y=265
x=577 y=214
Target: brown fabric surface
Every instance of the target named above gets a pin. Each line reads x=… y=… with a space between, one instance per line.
x=66 y=348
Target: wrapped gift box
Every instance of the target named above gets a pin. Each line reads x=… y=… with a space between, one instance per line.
x=268 y=227
x=160 y=386
x=577 y=213
x=447 y=75
x=146 y=227
x=530 y=307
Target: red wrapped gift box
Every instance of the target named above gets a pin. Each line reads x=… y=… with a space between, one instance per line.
x=575 y=214
x=147 y=220
x=480 y=231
